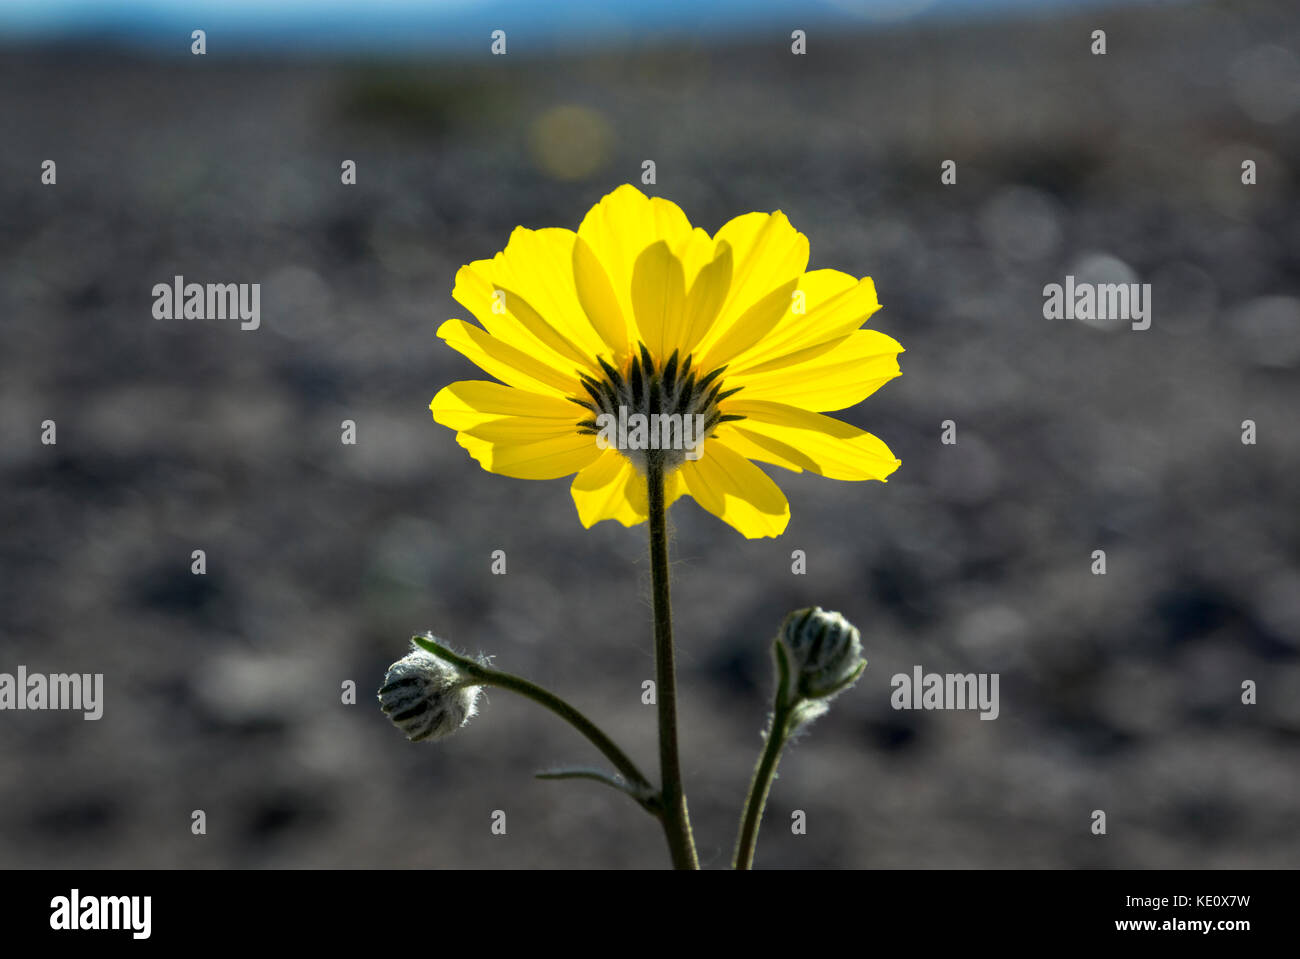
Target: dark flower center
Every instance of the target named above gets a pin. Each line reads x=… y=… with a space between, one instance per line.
x=643 y=388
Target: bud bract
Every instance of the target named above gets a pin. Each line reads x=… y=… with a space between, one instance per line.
x=823 y=653
x=426 y=697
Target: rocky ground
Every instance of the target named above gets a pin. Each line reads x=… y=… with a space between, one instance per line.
x=1119 y=692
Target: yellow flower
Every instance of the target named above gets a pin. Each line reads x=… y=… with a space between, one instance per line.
x=639 y=311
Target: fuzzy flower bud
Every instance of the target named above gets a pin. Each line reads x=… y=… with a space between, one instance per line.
x=426 y=697
x=822 y=654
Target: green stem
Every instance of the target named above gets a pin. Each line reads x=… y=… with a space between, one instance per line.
x=485 y=675
x=764 y=773
x=676 y=821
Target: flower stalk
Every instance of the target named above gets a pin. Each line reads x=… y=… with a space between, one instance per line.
x=676 y=820
x=818 y=656
x=632 y=781
x=761 y=785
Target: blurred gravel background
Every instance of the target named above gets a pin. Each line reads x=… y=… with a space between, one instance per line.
x=1119 y=692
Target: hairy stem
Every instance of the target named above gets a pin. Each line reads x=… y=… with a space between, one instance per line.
x=486 y=676
x=676 y=820
x=764 y=773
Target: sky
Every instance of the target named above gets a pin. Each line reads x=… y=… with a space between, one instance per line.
x=409 y=25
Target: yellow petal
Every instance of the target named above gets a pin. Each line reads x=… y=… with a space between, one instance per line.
x=696 y=251
x=750 y=328
x=674 y=487
x=829 y=376
x=569 y=354
x=768 y=254
x=736 y=491
x=545 y=459
x=821 y=444
x=537 y=265
x=752 y=446
x=612 y=488
x=599 y=301
x=659 y=299
x=604 y=490
x=834 y=303
x=622 y=225
x=469 y=403
x=521 y=430
x=709 y=291
x=507 y=363
x=484 y=288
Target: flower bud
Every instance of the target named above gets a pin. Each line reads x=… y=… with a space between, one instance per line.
x=427 y=697
x=823 y=653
